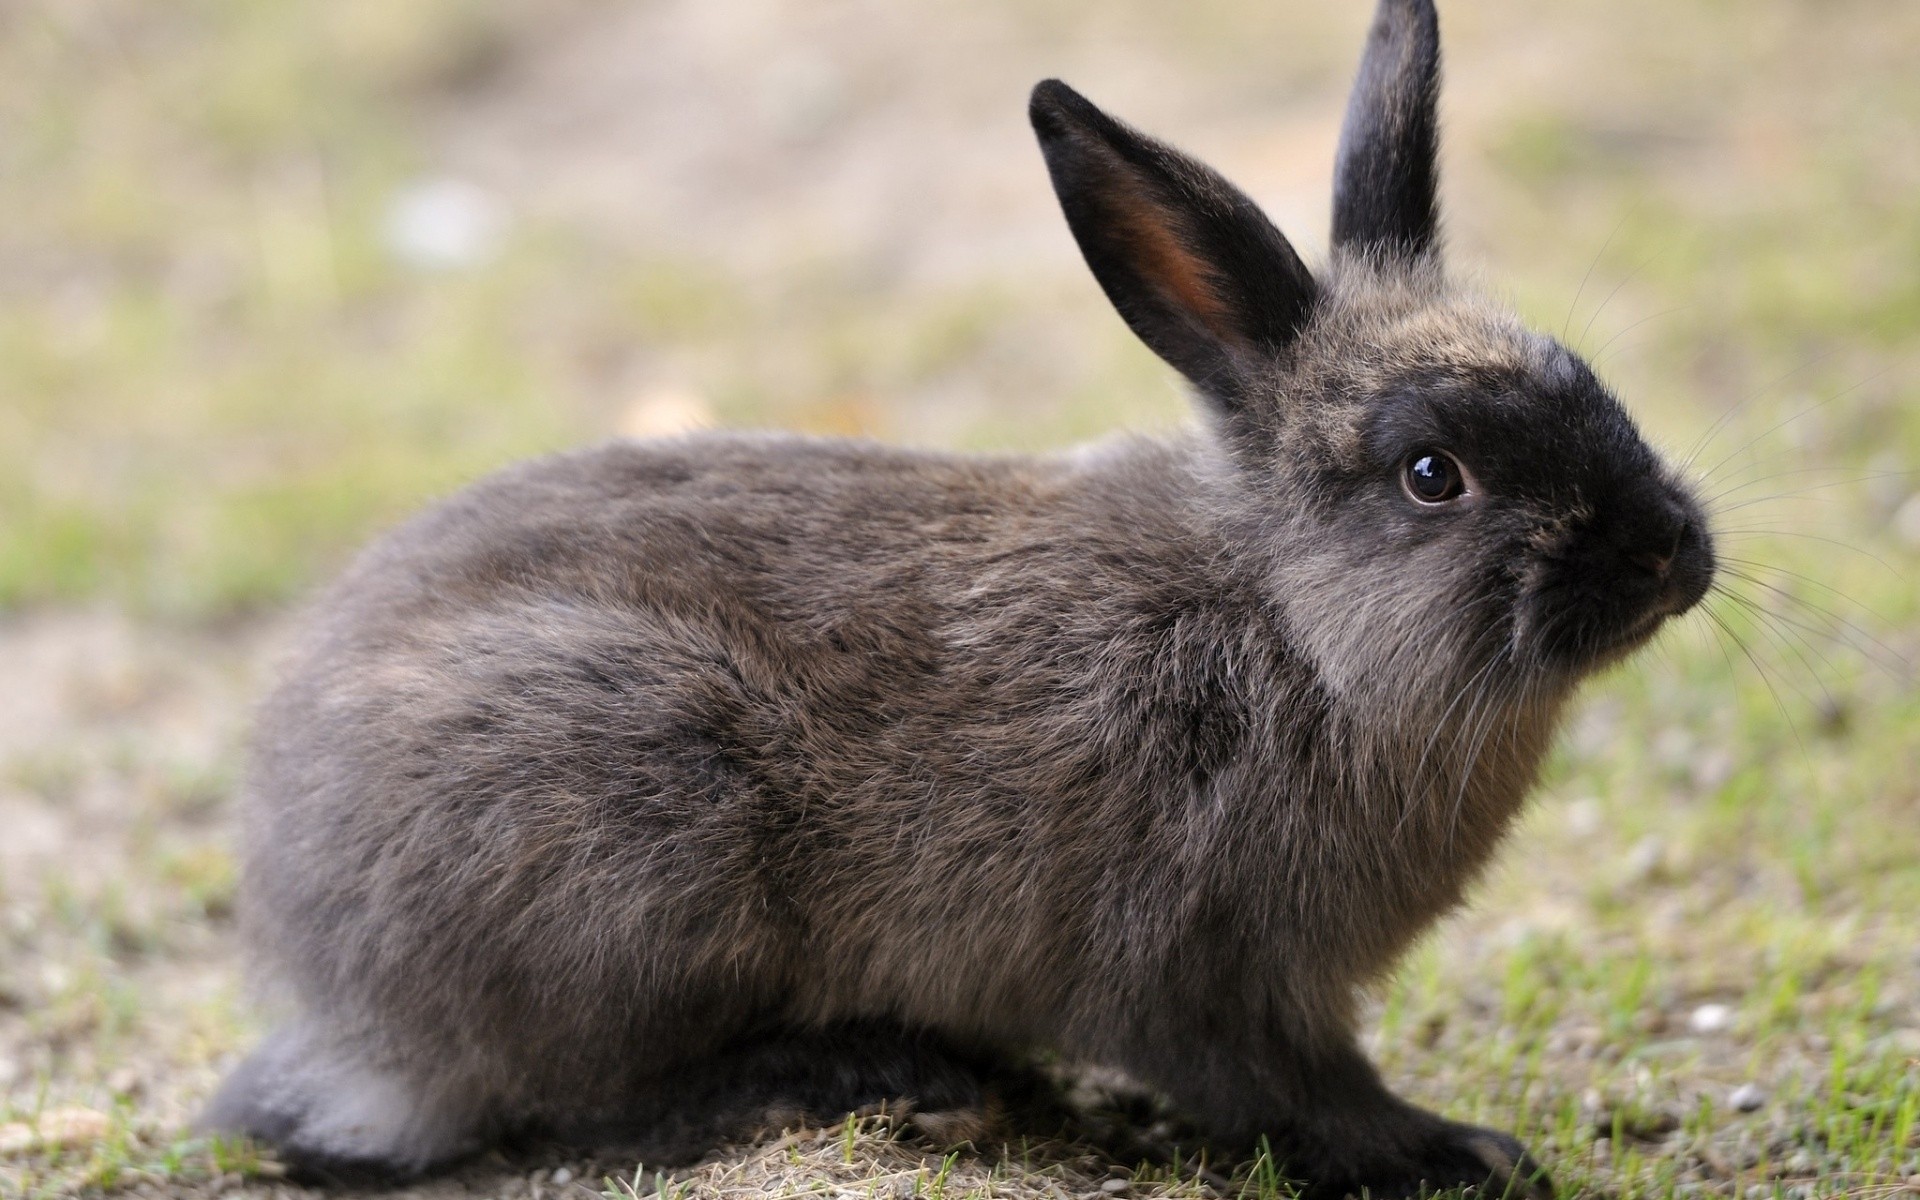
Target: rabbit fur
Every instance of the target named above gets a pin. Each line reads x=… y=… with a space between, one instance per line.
x=636 y=786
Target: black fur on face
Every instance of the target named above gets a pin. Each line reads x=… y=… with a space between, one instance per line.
x=1615 y=544
x=1570 y=543
x=1568 y=538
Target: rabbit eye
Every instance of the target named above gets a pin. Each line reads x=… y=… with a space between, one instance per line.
x=1433 y=478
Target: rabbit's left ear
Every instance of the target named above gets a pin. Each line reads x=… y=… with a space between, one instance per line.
x=1384 y=187
x=1192 y=264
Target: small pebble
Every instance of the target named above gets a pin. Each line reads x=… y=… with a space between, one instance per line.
x=55 y=1129
x=1902 y=1042
x=444 y=223
x=1711 y=1018
x=1673 y=746
x=1747 y=1098
x=1647 y=860
x=1116 y=1187
x=1584 y=817
x=562 y=1176
x=1713 y=767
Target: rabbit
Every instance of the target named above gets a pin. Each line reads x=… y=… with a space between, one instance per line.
x=636 y=786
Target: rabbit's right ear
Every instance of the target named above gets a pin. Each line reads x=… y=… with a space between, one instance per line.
x=1192 y=264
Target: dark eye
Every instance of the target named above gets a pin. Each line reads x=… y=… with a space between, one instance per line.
x=1433 y=478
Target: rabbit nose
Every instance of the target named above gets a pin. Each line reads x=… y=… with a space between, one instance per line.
x=1656 y=562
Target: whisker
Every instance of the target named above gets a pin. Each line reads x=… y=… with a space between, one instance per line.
x=1597 y=256
x=1767 y=531
x=1719 y=423
x=1594 y=361
x=1719 y=643
x=1851 y=475
x=1782 y=424
x=1790 y=640
x=1644 y=263
x=1804 y=491
x=1761 y=671
x=1413 y=781
x=1487 y=725
x=1839 y=621
x=1756 y=565
x=1743 y=569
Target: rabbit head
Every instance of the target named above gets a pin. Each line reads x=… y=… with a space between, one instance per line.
x=1437 y=494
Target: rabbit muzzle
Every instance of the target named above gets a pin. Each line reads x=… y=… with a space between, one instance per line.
x=1606 y=587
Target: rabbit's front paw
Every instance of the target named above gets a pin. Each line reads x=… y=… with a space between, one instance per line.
x=1443 y=1156
x=1495 y=1165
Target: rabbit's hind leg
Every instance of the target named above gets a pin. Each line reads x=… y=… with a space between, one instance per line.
x=785 y=1077
x=334 y=1119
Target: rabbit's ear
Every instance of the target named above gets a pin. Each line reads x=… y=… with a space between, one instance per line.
x=1384 y=174
x=1192 y=264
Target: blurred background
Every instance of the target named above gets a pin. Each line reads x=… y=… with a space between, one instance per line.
x=274 y=274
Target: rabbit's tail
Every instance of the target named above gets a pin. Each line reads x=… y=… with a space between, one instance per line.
x=789 y=1077
x=333 y=1118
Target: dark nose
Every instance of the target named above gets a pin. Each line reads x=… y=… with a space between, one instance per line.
x=1656 y=561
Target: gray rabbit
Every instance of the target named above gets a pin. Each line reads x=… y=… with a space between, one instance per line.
x=635 y=782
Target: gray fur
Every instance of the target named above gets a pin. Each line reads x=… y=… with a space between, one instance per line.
x=622 y=760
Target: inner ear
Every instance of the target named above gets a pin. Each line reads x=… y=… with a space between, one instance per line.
x=1169 y=260
x=1192 y=264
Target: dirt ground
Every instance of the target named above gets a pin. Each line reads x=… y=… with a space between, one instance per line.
x=1718 y=890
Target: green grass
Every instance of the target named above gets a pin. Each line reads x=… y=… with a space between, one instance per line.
x=215 y=382
x=130 y=1153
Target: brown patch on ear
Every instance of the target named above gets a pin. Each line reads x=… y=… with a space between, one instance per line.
x=1165 y=261
x=1189 y=261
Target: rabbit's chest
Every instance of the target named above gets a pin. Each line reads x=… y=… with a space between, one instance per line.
x=1396 y=851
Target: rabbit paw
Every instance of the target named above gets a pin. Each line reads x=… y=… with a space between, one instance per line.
x=1494 y=1165
x=1443 y=1156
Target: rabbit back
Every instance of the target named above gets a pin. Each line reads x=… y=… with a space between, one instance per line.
x=624 y=752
